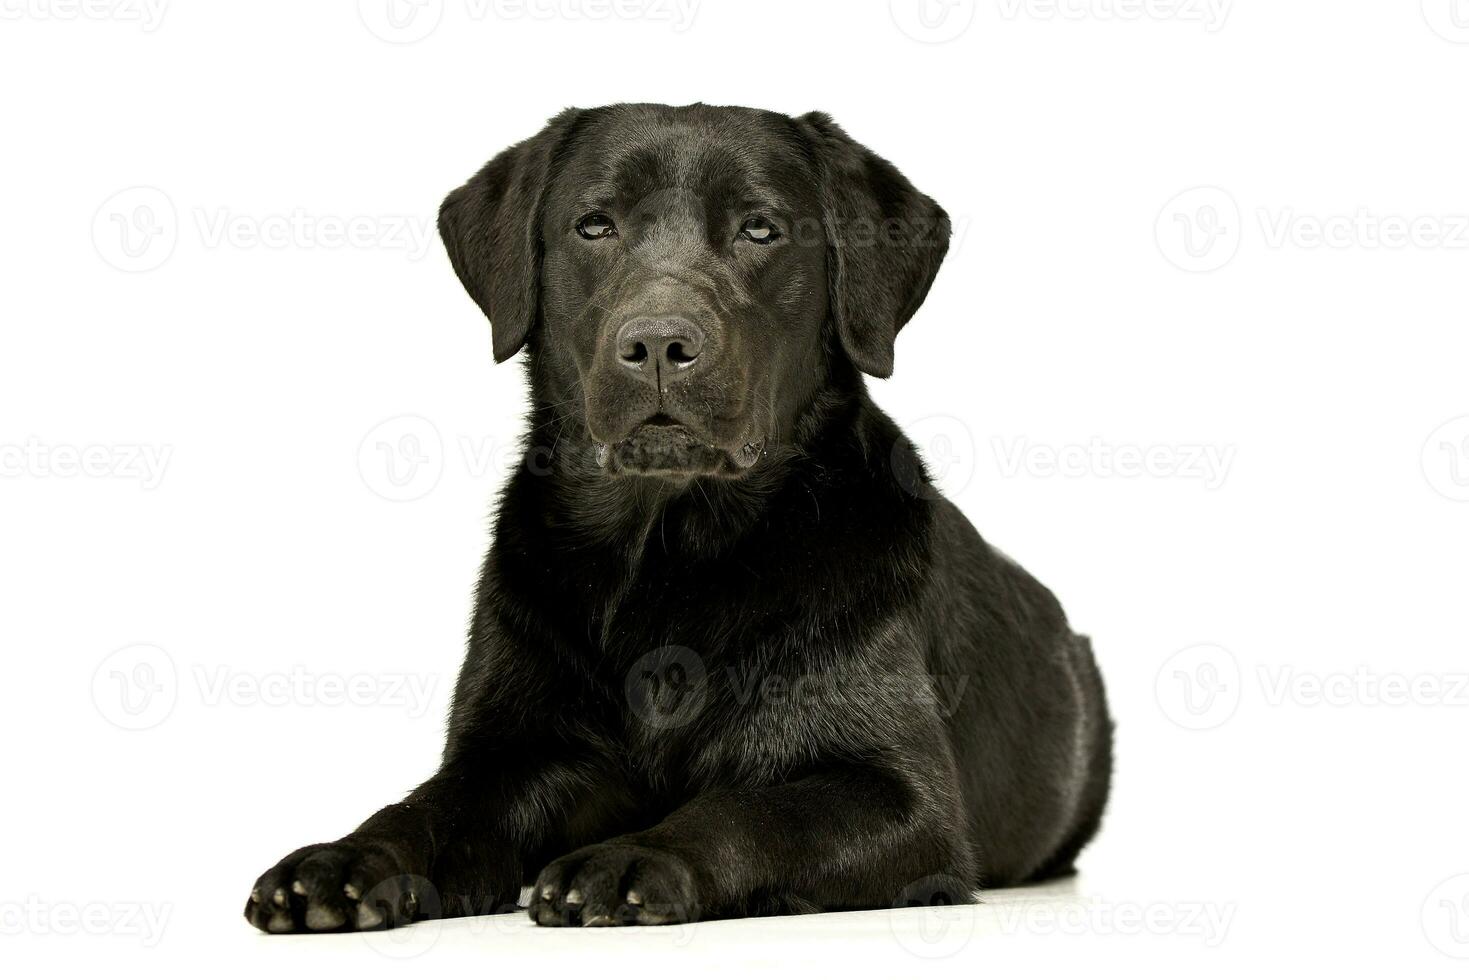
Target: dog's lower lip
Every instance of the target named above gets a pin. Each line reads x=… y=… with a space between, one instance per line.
x=743 y=458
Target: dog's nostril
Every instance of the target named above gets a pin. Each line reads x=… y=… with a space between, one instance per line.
x=636 y=354
x=678 y=355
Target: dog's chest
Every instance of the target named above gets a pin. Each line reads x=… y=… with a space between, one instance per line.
x=692 y=723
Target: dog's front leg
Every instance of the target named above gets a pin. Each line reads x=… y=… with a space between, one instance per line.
x=854 y=836
x=457 y=845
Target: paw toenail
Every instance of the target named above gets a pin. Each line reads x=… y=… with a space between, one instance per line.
x=573 y=897
x=255 y=895
x=279 y=897
x=597 y=920
x=548 y=893
x=368 y=917
x=321 y=918
x=350 y=890
x=635 y=897
x=297 y=888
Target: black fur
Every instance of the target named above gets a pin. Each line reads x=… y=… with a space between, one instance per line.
x=732 y=654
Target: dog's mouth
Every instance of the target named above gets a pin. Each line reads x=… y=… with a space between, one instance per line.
x=665 y=447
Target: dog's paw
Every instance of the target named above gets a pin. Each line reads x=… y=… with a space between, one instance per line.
x=339 y=887
x=615 y=884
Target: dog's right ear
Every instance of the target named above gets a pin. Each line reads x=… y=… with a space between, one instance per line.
x=491 y=228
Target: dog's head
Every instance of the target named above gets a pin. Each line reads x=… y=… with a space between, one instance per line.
x=686 y=278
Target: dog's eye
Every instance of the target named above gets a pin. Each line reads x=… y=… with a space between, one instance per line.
x=759 y=230
x=596 y=225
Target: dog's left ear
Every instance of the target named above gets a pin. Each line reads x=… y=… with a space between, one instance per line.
x=885 y=242
x=492 y=229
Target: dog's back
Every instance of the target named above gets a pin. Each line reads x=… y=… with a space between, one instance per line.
x=1025 y=708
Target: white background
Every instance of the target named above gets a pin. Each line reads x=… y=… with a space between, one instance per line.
x=247 y=465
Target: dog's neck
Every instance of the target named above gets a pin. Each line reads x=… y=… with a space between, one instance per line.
x=700 y=517
x=844 y=477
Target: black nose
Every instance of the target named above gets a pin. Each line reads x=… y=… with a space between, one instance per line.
x=659 y=346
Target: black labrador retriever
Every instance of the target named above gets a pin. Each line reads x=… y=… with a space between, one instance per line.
x=732 y=654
